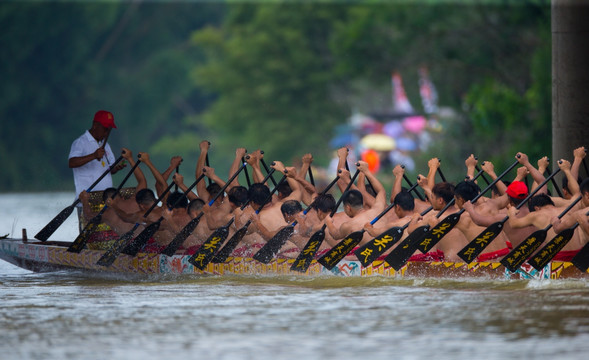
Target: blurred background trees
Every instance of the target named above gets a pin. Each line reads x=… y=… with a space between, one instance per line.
x=279 y=76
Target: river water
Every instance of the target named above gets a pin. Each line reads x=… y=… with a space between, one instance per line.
x=68 y=315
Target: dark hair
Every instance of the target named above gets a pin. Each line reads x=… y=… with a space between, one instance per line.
x=177 y=200
x=353 y=198
x=290 y=207
x=324 y=202
x=213 y=189
x=284 y=189
x=238 y=195
x=444 y=190
x=259 y=194
x=405 y=201
x=195 y=205
x=467 y=190
x=145 y=197
x=108 y=193
x=539 y=201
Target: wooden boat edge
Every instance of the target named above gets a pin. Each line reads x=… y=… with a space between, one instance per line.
x=53 y=256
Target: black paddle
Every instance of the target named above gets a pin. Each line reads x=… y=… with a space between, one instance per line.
x=544 y=255
x=140 y=240
x=413 y=188
x=311 y=176
x=479 y=243
x=143 y=237
x=401 y=254
x=111 y=254
x=581 y=260
x=179 y=239
x=447 y=224
x=232 y=243
x=306 y=256
x=273 y=246
x=247 y=176
x=267 y=169
x=520 y=253
x=54 y=224
x=81 y=240
x=370 y=251
x=211 y=246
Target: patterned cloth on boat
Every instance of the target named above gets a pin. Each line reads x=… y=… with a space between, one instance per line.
x=493 y=255
x=153 y=247
x=102 y=240
x=565 y=255
x=437 y=255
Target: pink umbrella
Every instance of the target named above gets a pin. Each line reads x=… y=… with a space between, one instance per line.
x=415 y=124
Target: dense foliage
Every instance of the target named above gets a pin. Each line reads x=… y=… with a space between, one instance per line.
x=274 y=76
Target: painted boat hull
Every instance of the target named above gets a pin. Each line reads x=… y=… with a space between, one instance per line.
x=53 y=256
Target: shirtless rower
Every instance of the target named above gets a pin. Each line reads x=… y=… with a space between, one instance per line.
x=103 y=239
x=577 y=214
x=354 y=208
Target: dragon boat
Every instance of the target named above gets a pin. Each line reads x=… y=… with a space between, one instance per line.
x=53 y=256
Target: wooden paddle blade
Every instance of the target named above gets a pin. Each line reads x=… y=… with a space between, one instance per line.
x=272 y=247
x=80 y=241
x=139 y=242
x=179 y=239
x=546 y=254
x=111 y=254
x=232 y=243
x=205 y=253
x=343 y=248
x=55 y=223
x=520 y=253
x=306 y=256
x=370 y=251
x=581 y=260
x=479 y=243
x=438 y=232
x=401 y=254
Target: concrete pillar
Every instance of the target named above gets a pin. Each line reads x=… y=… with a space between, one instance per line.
x=570 y=78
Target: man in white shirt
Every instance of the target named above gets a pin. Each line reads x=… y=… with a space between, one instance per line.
x=90 y=155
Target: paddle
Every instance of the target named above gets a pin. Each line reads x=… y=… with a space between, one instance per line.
x=56 y=222
x=306 y=256
x=273 y=246
x=208 y=165
x=232 y=243
x=520 y=253
x=544 y=255
x=401 y=254
x=247 y=176
x=445 y=226
x=210 y=247
x=267 y=168
x=370 y=251
x=581 y=260
x=111 y=254
x=143 y=237
x=80 y=241
x=479 y=243
x=413 y=188
x=311 y=176
x=192 y=224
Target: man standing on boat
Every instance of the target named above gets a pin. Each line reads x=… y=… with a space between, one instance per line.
x=90 y=155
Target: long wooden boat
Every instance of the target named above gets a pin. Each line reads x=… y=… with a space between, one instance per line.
x=53 y=256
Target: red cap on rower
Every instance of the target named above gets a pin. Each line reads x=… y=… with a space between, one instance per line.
x=105 y=118
x=517 y=190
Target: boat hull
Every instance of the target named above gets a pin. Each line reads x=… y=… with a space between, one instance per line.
x=53 y=256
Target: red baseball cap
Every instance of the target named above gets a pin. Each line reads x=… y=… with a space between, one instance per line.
x=105 y=118
x=517 y=190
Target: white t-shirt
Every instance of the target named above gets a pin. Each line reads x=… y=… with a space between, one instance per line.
x=87 y=174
